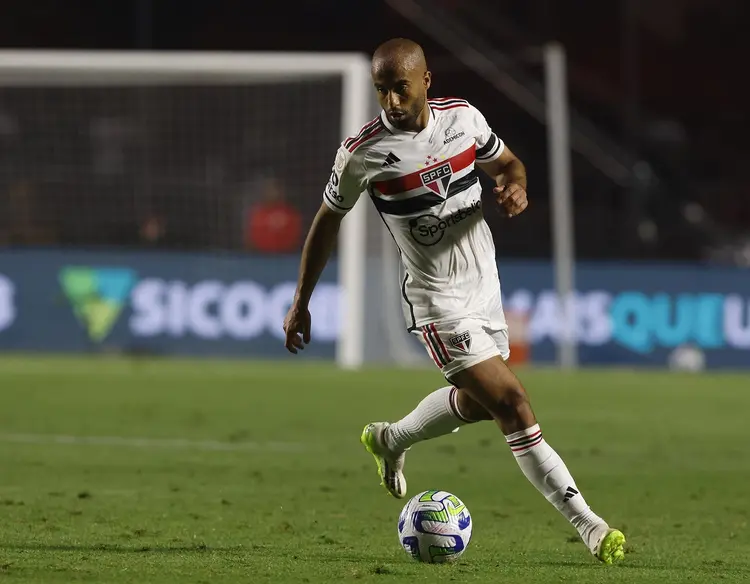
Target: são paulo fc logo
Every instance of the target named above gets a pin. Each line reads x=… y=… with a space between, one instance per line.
x=429 y=229
x=462 y=341
x=438 y=178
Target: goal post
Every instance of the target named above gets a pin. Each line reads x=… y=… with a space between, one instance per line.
x=43 y=82
x=350 y=350
x=561 y=194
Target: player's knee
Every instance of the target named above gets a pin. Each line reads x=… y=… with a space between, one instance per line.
x=510 y=399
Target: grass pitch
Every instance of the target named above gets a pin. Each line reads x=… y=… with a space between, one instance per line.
x=115 y=471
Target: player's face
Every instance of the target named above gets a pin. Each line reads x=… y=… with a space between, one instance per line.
x=402 y=94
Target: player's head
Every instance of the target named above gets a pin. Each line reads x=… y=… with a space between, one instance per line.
x=401 y=79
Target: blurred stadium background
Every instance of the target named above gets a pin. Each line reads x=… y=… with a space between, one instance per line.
x=151 y=219
x=156 y=166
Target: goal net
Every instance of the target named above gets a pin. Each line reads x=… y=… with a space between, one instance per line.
x=104 y=149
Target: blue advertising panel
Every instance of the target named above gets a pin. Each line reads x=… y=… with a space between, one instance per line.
x=627 y=313
x=156 y=303
x=233 y=305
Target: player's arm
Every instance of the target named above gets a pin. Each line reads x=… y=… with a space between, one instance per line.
x=340 y=195
x=319 y=244
x=509 y=174
x=506 y=169
x=500 y=164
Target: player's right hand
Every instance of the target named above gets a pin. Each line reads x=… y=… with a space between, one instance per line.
x=296 y=323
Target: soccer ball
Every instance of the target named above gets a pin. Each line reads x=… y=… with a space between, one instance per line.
x=434 y=527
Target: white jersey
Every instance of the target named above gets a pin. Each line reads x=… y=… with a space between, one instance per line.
x=427 y=191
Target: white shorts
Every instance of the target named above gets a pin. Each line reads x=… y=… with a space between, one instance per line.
x=455 y=345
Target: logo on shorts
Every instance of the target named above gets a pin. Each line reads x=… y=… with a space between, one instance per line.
x=462 y=341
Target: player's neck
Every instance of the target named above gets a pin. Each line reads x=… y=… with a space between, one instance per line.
x=423 y=119
x=420 y=122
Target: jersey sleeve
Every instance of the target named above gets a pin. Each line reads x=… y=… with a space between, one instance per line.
x=345 y=184
x=488 y=145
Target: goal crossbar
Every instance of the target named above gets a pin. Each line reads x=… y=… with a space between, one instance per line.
x=74 y=67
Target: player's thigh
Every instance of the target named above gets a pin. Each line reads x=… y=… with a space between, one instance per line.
x=471 y=408
x=471 y=355
x=492 y=384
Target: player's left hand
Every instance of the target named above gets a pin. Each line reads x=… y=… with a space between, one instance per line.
x=512 y=197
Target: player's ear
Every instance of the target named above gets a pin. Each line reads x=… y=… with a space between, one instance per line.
x=427 y=79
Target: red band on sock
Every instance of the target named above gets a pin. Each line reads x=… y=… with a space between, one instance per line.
x=526 y=443
x=523 y=443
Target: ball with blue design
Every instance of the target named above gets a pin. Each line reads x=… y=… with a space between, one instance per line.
x=435 y=527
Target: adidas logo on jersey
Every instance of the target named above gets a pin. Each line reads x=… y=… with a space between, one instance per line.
x=391 y=159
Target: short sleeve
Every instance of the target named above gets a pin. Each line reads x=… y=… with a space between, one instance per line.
x=488 y=145
x=345 y=183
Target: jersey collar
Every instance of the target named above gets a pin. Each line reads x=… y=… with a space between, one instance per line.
x=394 y=130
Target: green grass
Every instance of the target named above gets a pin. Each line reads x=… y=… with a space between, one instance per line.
x=289 y=495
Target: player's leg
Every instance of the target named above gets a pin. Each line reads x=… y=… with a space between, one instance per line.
x=441 y=412
x=493 y=385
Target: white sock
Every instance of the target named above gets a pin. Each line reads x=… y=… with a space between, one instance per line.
x=436 y=415
x=547 y=472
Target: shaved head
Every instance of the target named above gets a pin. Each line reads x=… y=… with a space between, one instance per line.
x=399 y=53
x=400 y=75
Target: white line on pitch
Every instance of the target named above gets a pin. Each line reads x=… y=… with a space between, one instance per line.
x=152 y=443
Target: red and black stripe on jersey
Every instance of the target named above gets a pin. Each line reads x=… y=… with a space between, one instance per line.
x=425 y=197
x=368 y=131
x=374 y=126
x=487 y=151
x=446 y=103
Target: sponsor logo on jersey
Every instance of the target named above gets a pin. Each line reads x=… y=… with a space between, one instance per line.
x=331 y=192
x=462 y=341
x=429 y=229
x=340 y=161
x=451 y=135
x=437 y=178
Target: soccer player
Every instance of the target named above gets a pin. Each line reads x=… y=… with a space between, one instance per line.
x=417 y=161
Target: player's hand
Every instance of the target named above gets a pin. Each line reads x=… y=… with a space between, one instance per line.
x=296 y=323
x=512 y=197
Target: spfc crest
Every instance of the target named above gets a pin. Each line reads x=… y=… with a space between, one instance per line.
x=438 y=178
x=462 y=341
